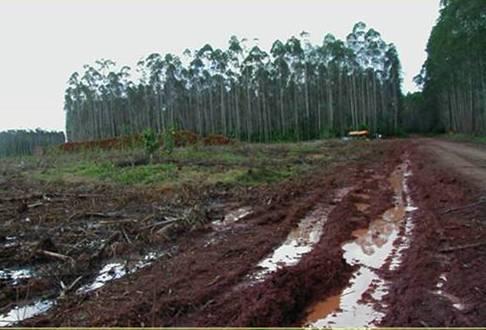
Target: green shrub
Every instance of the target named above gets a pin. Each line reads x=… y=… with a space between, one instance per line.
x=363 y=127
x=169 y=141
x=150 y=142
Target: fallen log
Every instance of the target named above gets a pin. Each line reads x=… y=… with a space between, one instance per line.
x=69 y=288
x=34 y=205
x=56 y=255
x=103 y=246
x=20 y=198
x=464 y=207
x=115 y=222
x=160 y=223
x=462 y=247
x=94 y=214
x=129 y=241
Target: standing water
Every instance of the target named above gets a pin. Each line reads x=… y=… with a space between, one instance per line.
x=231 y=217
x=109 y=272
x=115 y=270
x=300 y=240
x=369 y=250
x=20 y=313
x=14 y=276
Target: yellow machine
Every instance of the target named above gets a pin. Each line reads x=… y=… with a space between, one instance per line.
x=358 y=133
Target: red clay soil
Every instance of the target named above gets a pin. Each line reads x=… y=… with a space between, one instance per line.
x=281 y=298
x=105 y=144
x=200 y=285
x=181 y=138
x=195 y=286
x=445 y=242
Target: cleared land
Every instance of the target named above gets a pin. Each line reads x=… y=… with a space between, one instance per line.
x=245 y=235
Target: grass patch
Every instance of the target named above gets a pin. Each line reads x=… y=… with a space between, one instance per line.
x=215 y=153
x=239 y=164
x=304 y=148
x=255 y=176
x=466 y=138
x=147 y=174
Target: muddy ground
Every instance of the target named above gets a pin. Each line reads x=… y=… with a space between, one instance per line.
x=395 y=238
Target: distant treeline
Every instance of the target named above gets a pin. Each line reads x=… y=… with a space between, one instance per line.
x=454 y=75
x=297 y=91
x=25 y=142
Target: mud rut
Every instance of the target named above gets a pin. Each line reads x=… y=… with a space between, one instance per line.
x=353 y=248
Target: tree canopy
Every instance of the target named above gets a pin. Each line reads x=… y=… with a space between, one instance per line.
x=453 y=76
x=296 y=91
x=25 y=142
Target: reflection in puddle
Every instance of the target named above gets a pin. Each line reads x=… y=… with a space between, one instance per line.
x=370 y=250
x=325 y=307
x=232 y=217
x=14 y=276
x=456 y=302
x=11 y=241
x=362 y=196
x=362 y=207
x=20 y=313
x=300 y=240
x=116 y=270
x=109 y=272
x=237 y=215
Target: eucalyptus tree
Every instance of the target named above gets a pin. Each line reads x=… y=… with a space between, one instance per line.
x=28 y=142
x=154 y=66
x=72 y=106
x=233 y=73
x=296 y=90
x=393 y=69
x=453 y=75
x=282 y=76
x=219 y=63
x=205 y=55
x=195 y=74
x=294 y=56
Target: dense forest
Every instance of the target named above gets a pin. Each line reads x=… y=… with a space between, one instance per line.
x=296 y=91
x=25 y=142
x=453 y=77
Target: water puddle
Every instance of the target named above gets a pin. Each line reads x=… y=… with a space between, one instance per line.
x=362 y=196
x=109 y=272
x=300 y=240
x=20 y=313
x=116 y=270
x=370 y=250
x=456 y=302
x=232 y=217
x=15 y=276
x=362 y=207
x=10 y=242
x=325 y=307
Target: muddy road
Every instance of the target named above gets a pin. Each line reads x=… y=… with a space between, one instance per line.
x=394 y=238
x=466 y=158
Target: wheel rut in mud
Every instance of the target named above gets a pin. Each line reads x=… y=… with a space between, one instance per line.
x=216 y=261
x=361 y=245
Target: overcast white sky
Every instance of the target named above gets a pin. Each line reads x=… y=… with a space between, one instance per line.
x=43 y=42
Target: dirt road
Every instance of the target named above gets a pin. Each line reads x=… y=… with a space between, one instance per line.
x=440 y=283
x=396 y=238
x=466 y=158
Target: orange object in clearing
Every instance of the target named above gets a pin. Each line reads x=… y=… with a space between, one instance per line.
x=359 y=133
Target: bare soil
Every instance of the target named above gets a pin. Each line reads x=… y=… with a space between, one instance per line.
x=203 y=274
x=468 y=159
